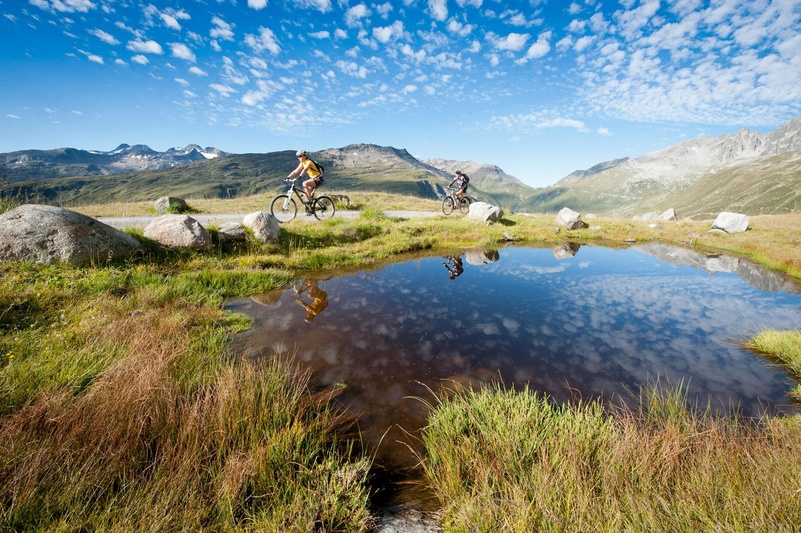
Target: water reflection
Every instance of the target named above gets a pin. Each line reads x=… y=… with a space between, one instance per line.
x=593 y=323
x=454 y=265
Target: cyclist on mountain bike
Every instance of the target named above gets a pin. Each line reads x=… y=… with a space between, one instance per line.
x=461 y=181
x=312 y=170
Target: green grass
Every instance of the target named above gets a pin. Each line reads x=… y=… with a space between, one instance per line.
x=505 y=460
x=123 y=406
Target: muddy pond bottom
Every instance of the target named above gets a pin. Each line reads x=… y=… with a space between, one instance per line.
x=571 y=321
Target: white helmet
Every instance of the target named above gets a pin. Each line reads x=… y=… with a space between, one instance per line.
x=300 y=153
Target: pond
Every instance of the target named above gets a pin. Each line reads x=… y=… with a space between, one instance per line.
x=573 y=321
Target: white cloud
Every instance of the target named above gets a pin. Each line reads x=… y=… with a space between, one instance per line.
x=389 y=33
x=181 y=51
x=604 y=132
x=320 y=35
x=221 y=30
x=460 y=29
x=95 y=59
x=355 y=14
x=223 y=90
x=13 y=116
x=145 y=47
x=513 y=42
x=541 y=47
x=142 y=60
x=340 y=34
x=266 y=40
x=105 y=37
x=438 y=9
x=323 y=6
x=474 y=3
x=170 y=21
x=64 y=6
x=351 y=69
x=257 y=4
x=384 y=9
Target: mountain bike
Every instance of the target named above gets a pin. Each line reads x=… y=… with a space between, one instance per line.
x=451 y=201
x=284 y=208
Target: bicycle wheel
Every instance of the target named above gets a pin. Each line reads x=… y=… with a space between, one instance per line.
x=464 y=205
x=447 y=205
x=323 y=208
x=283 y=208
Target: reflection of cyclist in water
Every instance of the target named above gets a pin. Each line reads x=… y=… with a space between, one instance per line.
x=454 y=265
x=319 y=299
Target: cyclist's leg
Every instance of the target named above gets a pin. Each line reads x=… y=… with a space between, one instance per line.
x=309 y=186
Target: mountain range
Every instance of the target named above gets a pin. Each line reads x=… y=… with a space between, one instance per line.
x=744 y=171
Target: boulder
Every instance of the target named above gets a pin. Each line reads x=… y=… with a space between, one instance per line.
x=484 y=257
x=569 y=219
x=565 y=251
x=669 y=214
x=232 y=232
x=178 y=231
x=46 y=234
x=484 y=212
x=731 y=222
x=168 y=204
x=265 y=226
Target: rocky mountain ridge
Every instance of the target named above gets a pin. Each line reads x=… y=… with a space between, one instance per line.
x=124 y=158
x=745 y=171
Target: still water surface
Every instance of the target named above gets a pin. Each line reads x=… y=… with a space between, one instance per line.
x=568 y=321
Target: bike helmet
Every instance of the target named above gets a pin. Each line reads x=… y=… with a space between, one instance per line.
x=459 y=172
x=300 y=153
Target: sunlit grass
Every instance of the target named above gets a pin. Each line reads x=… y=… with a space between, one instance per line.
x=503 y=460
x=783 y=348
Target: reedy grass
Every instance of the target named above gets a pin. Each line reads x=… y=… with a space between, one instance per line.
x=173 y=433
x=783 y=348
x=505 y=460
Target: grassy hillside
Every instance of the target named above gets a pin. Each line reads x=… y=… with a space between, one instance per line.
x=224 y=177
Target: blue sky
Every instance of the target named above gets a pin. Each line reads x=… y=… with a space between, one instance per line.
x=538 y=87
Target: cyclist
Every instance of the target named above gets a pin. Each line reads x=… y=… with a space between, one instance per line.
x=312 y=170
x=461 y=181
x=454 y=265
x=319 y=300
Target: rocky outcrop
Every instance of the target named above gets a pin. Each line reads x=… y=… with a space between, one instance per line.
x=46 y=234
x=178 y=231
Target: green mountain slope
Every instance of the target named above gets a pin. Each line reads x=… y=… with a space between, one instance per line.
x=235 y=176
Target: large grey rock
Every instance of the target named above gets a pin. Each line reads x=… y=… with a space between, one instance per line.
x=569 y=219
x=731 y=222
x=484 y=212
x=265 y=226
x=46 y=234
x=483 y=257
x=178 y=231
x=232 y=232
x=168 y=203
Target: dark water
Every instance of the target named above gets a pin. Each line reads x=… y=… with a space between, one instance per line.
x=585 y=321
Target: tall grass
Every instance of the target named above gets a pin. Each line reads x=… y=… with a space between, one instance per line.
x=123 y=409
x=783 y=348
x=505 y=460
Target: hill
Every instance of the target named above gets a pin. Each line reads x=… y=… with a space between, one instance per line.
x=745 y=171
x=354 y=167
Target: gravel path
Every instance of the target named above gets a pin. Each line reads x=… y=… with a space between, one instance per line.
x=217 y=220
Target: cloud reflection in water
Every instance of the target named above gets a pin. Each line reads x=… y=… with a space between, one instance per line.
x=597 y=323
